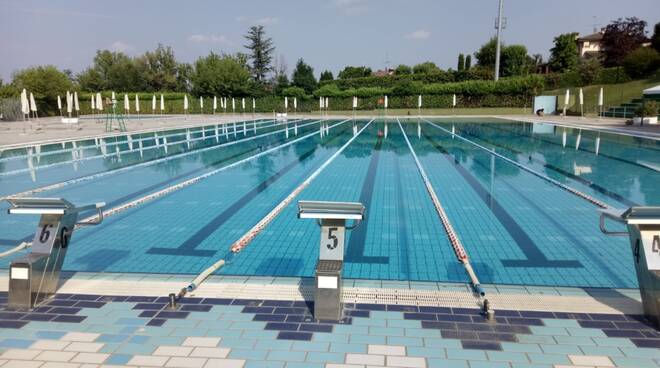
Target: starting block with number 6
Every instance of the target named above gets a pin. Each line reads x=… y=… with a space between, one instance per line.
x=35 y=276
x=332 y=217
x=644 y=231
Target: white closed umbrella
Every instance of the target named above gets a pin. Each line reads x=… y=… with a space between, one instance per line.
x=33 y=104
x=113 y=97
x=99 y=102
x=320 y=102
x=201 y=102
x=153 y=104
x=295 y=103
x=385 y=101
x=243 y=103
x=215 y=104
x=233 y=104
x=127 y=103
x=453 y=101
x=162 y=104
x=69 y=103
x=600 y=101
x=76 y=105
x=185 y=103
x=137 y=103
x=355 y=102
x=254 y=104
x=581 y=102
x=327 y=102
x=566 y=100
x=286 y=102
x=25 y=104
x=419 y=101
x=59 y=103
x=92 y=103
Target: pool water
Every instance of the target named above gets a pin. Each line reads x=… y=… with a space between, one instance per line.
x=517 y=228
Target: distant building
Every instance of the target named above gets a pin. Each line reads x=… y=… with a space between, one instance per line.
x=383 y=73
x=590 y=45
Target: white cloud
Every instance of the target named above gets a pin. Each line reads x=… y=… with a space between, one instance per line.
x=208 y=38
x=120 y=46
x=420 y=34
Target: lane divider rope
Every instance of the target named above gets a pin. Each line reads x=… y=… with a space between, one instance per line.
x=529 y=170
x=196 y=179
x=145 y=164
x=256 y=229
x=455 y=241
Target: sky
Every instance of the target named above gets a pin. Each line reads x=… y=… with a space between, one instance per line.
x=327 y=34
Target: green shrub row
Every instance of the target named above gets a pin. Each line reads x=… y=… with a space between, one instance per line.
x=577 y=78
x=391 y=80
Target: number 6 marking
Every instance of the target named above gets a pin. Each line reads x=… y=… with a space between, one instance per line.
x=332 y=237
x=45 y=234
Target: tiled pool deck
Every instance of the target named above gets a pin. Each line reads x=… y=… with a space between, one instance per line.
x=85 y=330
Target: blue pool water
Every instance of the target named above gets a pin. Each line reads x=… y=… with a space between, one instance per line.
x=516 y=227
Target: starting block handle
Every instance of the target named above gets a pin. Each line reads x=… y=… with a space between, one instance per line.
x=98 y=207
x=613 y=214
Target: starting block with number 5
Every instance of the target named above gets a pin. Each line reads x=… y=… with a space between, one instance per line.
x=332 y=217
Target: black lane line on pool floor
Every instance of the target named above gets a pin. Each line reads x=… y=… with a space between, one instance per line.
x=581 y=180
x=535 y=258
x=404 y=259
x=188 y=247
x=168 y=181
x=579 y=148
x=356 y=243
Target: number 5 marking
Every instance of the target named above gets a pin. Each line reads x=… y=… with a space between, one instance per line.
x=332 y=237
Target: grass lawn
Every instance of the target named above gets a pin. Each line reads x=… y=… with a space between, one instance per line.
x=457 y=111
x=613 y=95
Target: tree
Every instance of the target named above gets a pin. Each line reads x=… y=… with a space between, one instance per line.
x=515 y=61
x=620 y=38
x=159 y=68
x=184 y=73
x=486 y=54
x=461 y=63
x=427 y=67
x=261 y=49
x=403 y=70
x=564 y=53
x=641 y=62
x=351 y=72
x=220 y=75
x=303 y=77
x=293 y=92
x=112 y=71
x=588 y=70
x=468 y=62
x=655 y=39
x=326 y=76
x=46 y=83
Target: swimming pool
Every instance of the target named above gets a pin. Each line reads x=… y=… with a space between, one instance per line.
x=517 y=227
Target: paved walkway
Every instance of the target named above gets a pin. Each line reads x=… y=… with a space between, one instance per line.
x=82 y=330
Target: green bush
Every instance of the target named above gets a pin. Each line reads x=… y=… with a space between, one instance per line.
x=641 y=62
x=647 y=109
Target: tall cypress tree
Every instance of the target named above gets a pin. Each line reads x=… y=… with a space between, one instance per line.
x=261 y=50
x=468 y=62
x=461 y=62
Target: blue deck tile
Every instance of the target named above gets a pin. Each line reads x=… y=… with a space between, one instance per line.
x=277 y=303
x=607 y=317
x=446 y=363
x=333 y=337
x=248 y=354
x=623 y=333
x=149 y=306
x=366 y=339
x=168 y=314
x=196 y=308
x=62 y=303
x=69 y=319
x=251 y=302
x=282 y=326
x=525 y=321
x=315 y=327
x=49 y=335
x=325 y=357
x=84 y=297
x=471 y=311
x=262 y=310
x=596 y=324
x=141 y=299
x=218 y=301
x=466 y=354
x=148 y=313
x=304 y=365
x=16 y=343
x=403 y=308
x=633 y=362
x=118 y=359
x=111 y=338
x=536 y=314
x=38 y=317
x=264 y=364
x=348 y=348
x=370 y=307
x=270 y=317
x=453 y=318
x=481 y=364
x=289 y=335
x=156 y=322
x=357 y=313
x=455 y=334
x=548 y=358
x=310 y=346
x=646 y=343
x=481 y=345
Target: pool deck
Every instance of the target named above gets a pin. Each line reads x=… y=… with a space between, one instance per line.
x=109 y=319
x=45 y=130
x=114 y=319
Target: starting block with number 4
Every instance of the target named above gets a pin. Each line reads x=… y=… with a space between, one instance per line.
x=644 y=231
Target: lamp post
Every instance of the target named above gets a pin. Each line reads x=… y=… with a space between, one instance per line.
x=497 y=48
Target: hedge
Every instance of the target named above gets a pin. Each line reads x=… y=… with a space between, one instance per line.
x=574 y=79
x=391 y=80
